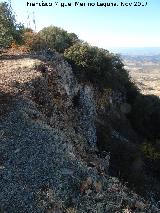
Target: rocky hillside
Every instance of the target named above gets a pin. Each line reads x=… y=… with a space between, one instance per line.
x=49 y=131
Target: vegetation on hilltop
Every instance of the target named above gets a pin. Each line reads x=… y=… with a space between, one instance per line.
x=97 y=66
x=57 y=38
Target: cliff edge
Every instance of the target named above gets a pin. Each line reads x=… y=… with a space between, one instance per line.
x=49 y=161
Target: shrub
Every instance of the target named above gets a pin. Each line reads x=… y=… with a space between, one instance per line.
x=32 y=41
x=150 y=151
x=26 y=44
x=57 y=38
x=28 y=38
x=97 y=66
x=15 y=48
x=38 y=43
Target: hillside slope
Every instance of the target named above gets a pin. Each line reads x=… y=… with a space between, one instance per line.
x=49 y=161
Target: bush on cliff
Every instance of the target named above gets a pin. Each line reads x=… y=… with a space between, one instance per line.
x=57 y=38
x=97 y=66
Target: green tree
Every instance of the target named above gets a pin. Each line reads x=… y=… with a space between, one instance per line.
x=57 y=38
x=97 y=66
x=10 y=30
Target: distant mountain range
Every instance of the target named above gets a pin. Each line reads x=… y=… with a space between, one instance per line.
x=138 y=51
x=142 y=58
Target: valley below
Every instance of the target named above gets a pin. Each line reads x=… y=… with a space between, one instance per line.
x=145 y=72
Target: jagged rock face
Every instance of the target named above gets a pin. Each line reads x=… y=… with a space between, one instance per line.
x=88 y=114
x=72 y=106
x=86 y=106
x=75 y=106
x=46 y=165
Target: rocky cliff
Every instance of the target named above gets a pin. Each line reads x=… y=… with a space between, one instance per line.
x=50 y=126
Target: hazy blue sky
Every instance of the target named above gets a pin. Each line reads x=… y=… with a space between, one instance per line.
x=103 y=27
